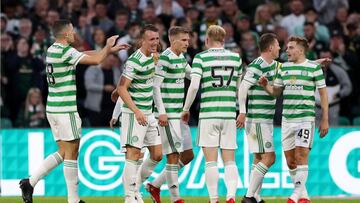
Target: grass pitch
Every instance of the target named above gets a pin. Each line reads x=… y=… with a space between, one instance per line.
x=165 y=200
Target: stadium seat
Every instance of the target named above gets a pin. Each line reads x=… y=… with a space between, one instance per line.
x=6 y=123
x=344 y=121
x=356 y=121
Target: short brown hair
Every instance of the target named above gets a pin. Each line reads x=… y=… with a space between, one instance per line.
x=148 y=27
x=175 y=30
x=300 y=41
x=266 y=40
x=59 y=26
x=216 y=33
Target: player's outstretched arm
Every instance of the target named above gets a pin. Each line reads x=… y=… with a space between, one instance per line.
x=324 y=123
x=190 y=97
x=96 y=57
x=125 y=96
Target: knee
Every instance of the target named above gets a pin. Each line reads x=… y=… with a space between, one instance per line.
x=269 y=159
x=156 y=157
x=291 y=163
x=301 y=159
x=71 y=154
x=187 y=157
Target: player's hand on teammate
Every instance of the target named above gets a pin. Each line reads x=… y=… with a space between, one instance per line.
x=240 y=121
x=323 y=128
x=113 y=122
x=163 y=120
x=263 y=81
x=114 y=95
x=185 y=116
x=141 y=118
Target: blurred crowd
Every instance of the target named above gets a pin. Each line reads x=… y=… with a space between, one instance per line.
x=332 y=28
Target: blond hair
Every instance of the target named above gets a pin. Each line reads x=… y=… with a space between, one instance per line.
x=216 y=33
x=32 y=91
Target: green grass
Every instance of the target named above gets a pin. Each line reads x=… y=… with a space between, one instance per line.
x=165 y=200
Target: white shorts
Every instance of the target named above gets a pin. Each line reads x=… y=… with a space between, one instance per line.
x=136 y=135
x=175 y=137
x=217 y=133
x=260 y=137
x=65 y=126
x=297 y=135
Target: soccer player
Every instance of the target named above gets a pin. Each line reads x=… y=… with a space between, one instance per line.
x=168 y=96
x=297 y=81
x=218 y=70
x=61 y=110
x=138 y=125
x=261 y=110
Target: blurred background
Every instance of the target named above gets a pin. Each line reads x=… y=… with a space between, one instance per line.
x=331 y=27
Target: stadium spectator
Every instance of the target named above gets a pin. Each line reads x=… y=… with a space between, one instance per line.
x=148 y=15
x=40 y=43
x=25 y=29
x=315 y=45
x=100 y=81
x=98 y=41
x=322 y=32
x=339 y=23
x=230 y=11
x=101 y=19
x=338 y=86
x=3 y=23
x=131 y=39
x=249 y=47
x=38 y=17
x=23 y=71
x=170 y=8
x=32 y=114
x=120 y=25
x=135 y=14
x=229 y=37
x=327 y=9
x=211 y=17
x=295 y=18
x=263 y=21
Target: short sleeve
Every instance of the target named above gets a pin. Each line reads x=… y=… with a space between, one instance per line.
x=253 y=73
x=162 y=66
x=72 y=56
x=196 y=66
x=279 y=81
x=129 y=70
x=319 y=77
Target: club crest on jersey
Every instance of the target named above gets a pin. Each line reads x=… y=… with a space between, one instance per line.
x=292 y=80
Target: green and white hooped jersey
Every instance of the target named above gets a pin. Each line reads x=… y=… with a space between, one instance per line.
x=172 y=68
x=261 y=106
x=299 y=82
x=61 y=61
x=140 y=69
x=219 y=70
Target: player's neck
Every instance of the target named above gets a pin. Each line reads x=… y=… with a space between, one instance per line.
x=267 y=57
x=175 y=51
x=145 y=52
x=301 y=59
x=62 y=41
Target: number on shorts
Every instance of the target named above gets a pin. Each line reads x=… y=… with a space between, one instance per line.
x=221 y=77
x=50 y=76
x=305 y=133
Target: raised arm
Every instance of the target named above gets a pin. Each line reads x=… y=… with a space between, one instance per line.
x=96 y=57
